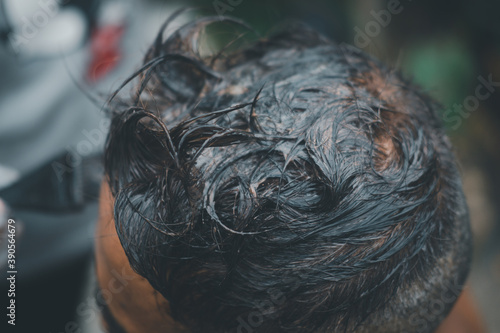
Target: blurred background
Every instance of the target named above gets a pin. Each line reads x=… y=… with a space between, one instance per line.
x=59 y=59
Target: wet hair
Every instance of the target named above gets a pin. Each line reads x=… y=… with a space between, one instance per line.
x=291 y=185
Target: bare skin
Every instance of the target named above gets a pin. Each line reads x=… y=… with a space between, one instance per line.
x=464 y=318
x=138 y=308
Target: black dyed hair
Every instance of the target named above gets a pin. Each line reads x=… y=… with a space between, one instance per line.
x=293 y=185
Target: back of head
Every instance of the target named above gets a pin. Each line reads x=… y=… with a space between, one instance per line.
x=293 y=185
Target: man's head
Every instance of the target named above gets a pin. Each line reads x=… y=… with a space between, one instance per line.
x=294 y=185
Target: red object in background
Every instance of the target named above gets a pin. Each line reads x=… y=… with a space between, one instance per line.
x=105 y=51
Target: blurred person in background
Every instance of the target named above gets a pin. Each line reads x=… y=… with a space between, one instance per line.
x=59 y=60
x=52 y=53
